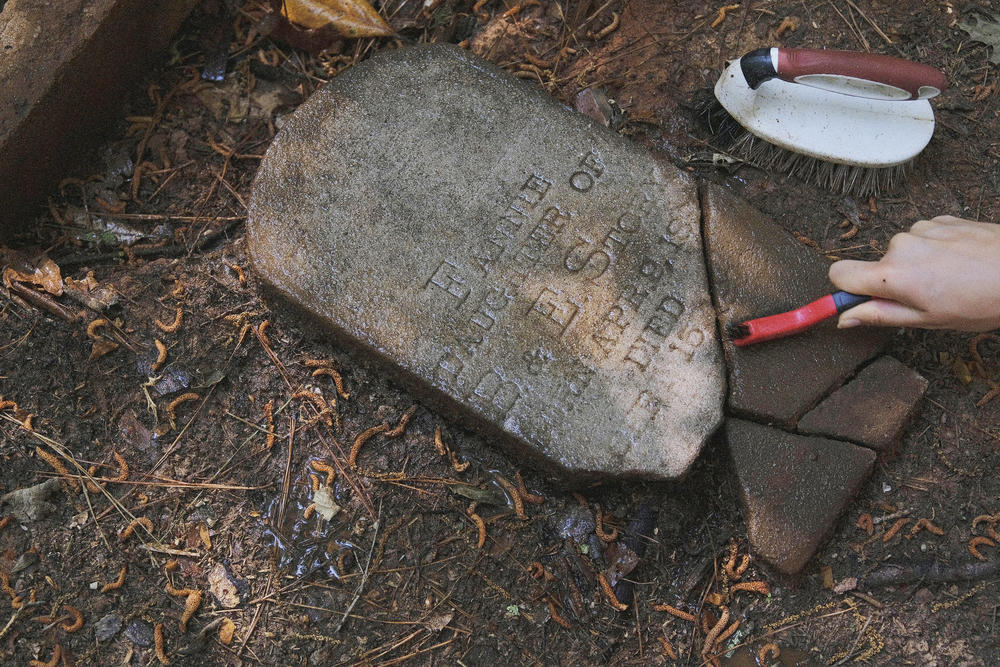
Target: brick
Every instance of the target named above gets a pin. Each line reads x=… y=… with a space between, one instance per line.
x=874 y=409
x=756 y=268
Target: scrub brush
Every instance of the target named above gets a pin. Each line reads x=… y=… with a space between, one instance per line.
x=849 y=122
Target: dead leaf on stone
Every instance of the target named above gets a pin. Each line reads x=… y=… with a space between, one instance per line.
x=351 y=18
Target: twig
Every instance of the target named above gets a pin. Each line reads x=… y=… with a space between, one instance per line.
x=364 y=573
x=17 y=612
x=870 y=22
x=897 y=575
x=861 y=635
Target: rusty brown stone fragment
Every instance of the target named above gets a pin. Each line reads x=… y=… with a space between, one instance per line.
x=507 y=256
x=793 y=488
x=873 y=409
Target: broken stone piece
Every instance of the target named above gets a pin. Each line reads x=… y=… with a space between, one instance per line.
x=793 y=488
x=511 y=258
x=758 y=269
x=874 y=409
x=65 y=68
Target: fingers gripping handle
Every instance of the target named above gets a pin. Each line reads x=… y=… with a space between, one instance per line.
x=859 y=74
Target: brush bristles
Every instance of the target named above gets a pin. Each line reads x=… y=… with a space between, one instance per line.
x=737 y=331
x=842 y=178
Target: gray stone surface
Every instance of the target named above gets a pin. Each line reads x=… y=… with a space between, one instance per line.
x=758 y=269
x=873 y=409
x=536 y=271
x=63 y=71
x=793 y=488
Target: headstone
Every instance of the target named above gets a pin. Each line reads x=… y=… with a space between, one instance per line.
x=758 y=269
x=508 y=256
x=793 y=488
x=874 y=409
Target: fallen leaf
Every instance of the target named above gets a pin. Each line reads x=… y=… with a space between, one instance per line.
x=48 y=277
x=226 y=631
x=206 y=537
x=101 y=348
x=987 y=32
x=961 y=371
x=325 y=505
x=439 y=622
x=351 y=18
x=827 y=572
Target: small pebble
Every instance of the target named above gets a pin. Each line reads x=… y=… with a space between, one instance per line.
x=140 y=633
x=107 y=627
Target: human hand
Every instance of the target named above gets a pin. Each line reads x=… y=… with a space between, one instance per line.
x=942 y=274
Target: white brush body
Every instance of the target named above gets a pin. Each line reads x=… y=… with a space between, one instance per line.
x=826 y=125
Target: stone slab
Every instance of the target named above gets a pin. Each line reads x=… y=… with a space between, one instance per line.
x=64 y=69
x=874 y=409
x=756 y=269
x=515 y=260
x=793 y=488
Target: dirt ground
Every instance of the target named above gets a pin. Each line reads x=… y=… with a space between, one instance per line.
x=157 y=252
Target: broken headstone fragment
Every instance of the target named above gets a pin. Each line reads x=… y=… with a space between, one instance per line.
x=874 y=409
x=757 y=269
x=511 y=258
x=793 y=488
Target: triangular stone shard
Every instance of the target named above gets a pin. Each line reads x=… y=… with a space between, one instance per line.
x=793 y=488
x=509 y=256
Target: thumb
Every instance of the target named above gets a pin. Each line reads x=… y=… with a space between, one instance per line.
x=882 y=313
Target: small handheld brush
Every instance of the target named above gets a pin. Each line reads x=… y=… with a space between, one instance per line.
x=793 y=321
x=850 y=122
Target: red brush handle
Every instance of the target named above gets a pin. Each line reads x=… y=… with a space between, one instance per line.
x=786 y=324
x=860 y=74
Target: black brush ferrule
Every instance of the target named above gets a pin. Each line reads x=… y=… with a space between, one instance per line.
x=757 y=67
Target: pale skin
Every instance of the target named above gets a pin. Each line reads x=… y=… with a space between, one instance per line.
x=942 y=274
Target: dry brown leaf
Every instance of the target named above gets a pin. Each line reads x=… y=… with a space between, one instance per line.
x=206 y=537
x=101 y=348
x=351 y=18
x=46 y=275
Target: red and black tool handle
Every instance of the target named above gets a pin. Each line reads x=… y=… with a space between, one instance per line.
x=848 y=72
x=794 y=321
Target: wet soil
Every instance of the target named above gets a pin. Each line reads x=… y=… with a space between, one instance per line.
x=396 y=574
